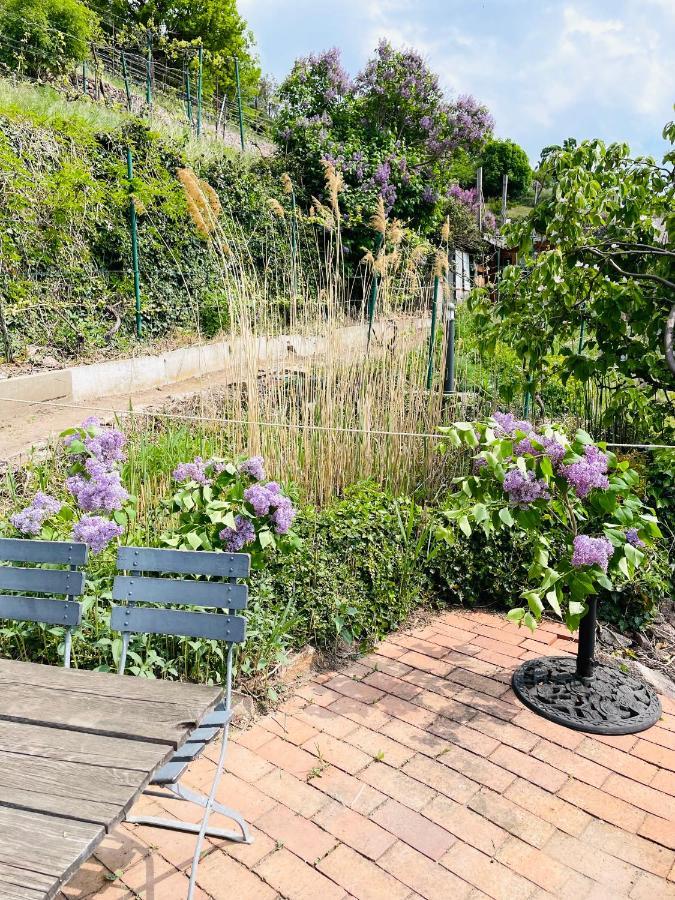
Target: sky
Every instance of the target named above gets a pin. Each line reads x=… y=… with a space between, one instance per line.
x=547 y=69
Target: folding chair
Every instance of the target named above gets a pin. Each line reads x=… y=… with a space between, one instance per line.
x=225 y=595
x=68 y=583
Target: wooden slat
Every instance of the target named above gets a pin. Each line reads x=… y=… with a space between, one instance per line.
x=41 y=609
x=48 y=848
x=73 y=790
x=22 y=883
x=184 y=562
x=41 y=581
x=216 y=594
x=62 y=552
x=99 y=703
x=71 y=746
x=231 y=629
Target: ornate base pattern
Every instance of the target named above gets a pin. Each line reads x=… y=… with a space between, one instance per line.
x=609 y=702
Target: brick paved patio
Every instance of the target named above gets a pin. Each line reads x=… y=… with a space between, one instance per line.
x=414 y=773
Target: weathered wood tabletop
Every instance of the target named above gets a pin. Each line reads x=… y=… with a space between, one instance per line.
x=76 y=750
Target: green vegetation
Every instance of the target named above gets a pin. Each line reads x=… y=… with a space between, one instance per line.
x=44 y=37
x=501 y=158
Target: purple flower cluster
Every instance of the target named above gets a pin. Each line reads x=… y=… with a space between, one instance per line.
x=96 y=532
x=588 y=473
x=194 y=471
x=524 y=488
x=267 y=499
x=591 y=551
x=31 y=519
x=633 y=538
x=235 y=539
x=508 y=425
x=100 y=490
x=254 y=466
x=553 y=449
x=107 y=446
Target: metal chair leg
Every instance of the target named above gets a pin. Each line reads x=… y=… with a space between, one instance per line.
x=207 y=812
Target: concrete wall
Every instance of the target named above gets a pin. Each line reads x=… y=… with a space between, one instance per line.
x=122 y=377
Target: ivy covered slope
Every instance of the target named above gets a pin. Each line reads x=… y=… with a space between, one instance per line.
x=65 y=245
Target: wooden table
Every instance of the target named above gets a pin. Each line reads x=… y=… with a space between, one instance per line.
x=76 y=750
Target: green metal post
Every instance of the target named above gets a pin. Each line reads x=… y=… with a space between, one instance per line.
x=85 y=83
x=239 y=103
x=188 y=94
x=199 y=91
x=148 y=72
x=125 y=75
x=449 y=378
x=581 y=335
x=372 y=302
x=134 y=245
x=432 y=334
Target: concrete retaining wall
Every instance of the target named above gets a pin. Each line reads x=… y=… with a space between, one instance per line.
x=123 y=377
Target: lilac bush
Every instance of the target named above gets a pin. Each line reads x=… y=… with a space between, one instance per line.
x=390 y=132
x=230 y=506
x=95 y=486
x=576 y=504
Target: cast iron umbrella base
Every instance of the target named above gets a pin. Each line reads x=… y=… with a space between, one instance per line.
x=583 y=694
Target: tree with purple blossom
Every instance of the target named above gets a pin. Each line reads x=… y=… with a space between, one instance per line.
x=572 y=500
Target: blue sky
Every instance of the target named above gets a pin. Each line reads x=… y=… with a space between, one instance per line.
x=547 y=69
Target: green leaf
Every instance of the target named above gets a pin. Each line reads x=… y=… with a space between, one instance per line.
x=480 y=513
x=193 y=540
x=266 y=538
x=506 y=517
x=464 y=526
x=515 y=615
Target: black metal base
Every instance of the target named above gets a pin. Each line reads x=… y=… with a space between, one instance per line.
x=608 y=702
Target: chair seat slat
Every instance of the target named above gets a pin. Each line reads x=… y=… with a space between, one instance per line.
x=169 y=773
x=130 y=619
x=216 y=594
x=42 y=581
x=184 y=562
x=64 y=552
x=40 y=609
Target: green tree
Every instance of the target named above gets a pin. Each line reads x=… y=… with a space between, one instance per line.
x=44 y=37
x=608 y=227
x=505 y=157
x=177 y=24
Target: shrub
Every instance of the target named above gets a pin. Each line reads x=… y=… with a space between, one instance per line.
x=44 y=37
x=505 y=157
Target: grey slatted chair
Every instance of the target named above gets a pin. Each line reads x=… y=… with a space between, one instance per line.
x=68 y=583
x=225 y=595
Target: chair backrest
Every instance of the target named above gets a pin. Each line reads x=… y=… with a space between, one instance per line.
x=222 y=596
x=26 y=581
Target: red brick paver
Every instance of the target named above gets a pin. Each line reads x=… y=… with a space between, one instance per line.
x=415 y=773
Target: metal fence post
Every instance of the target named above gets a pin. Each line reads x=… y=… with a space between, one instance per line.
x=199 y=91
x=432 y=335
x=239 y=103
x=125 y=75
x=134 y=244
x=188 y=94
x=148 y=71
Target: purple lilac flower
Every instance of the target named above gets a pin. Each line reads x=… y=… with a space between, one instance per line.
x=524 y=446
x=194 y=471
x=283 y=515
x=429 y=195
x=590 y=551
x=101 y=490
x=524 y=488
x=253 y=467
x=633 y=538
x=260 y=498
x=479 y=463
x=31 y=519
x=553 y=449
x=509 y=425
x=236 y=538
x=96 y=532
x=588 y=473
x=107 y=446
